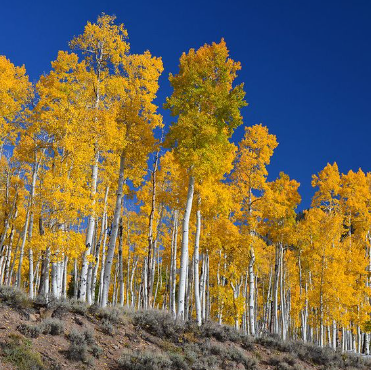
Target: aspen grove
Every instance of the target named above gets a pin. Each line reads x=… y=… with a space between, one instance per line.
x=103 y=203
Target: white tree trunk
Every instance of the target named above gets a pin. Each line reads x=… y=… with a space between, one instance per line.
x=367 y=344
x=102 y=237
x=184 y=254
x=196 y=257
x=8 y=258
x=275 y=289
x=24 y=237
x=334 y=334
x=30 y=273
x=173 y=264
x=64 y=281
x=54 y=276
x=114 y=231
x=121 y=266
x=252 y=292
x=100 y=293
x=89 y=232
x=30 y=226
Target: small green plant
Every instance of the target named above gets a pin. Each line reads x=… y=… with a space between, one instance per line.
x=18 y=351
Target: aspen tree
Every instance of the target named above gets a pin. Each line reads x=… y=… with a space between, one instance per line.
x=136 y=119
x=208 y=110
x=249 y=175
x=15 y=93
x=103 y=46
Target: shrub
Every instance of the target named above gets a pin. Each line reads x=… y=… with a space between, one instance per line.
x=52 y=326
x=77 y=306
x=14 y=297
x=143 y=360
x=279 y=364
x=78 y=349
x=61 y=308
x=89 y=336
x=107 y=327
x=18 y=352
x=178 y=362
x=246 y=343
x=290 y=360
x=109 y=314
x=222 y=333
x=234 y=354
x=298 y=367
x=81 y=343
x=96 y=351
x=159 y=323
x=30 y=331
x=273 y=341
x=317 y=355
x=230 y=353
x=48 y=326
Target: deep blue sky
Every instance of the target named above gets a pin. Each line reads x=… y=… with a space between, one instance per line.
x=306 y=64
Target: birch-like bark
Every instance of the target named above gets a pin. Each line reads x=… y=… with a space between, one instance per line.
x=30 y=274
x=121 y=266
x=367 y=344
x=203 y=289
x=90 y=231
x=30 y=226
x=9 y=257
x=98 y=247
x=275 y=288
x=184 y=253
x=54 y=276
x=75 y=280
x=188 y=293
x=128 y=266
x=252 y=324
x=133 y=269
x=236 y=293
x=24 y=237
x=334 y=335
x=46 y=273
x=37 y=277
x=101 y=278
x=159 y=278
x=283 y=300
x=174 y=248
x=64 y=279
x=207 y=288
x=196 y=257
x=114 y=231
x=150 y=257
x=267 y=311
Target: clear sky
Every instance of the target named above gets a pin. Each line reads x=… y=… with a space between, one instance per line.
x=306 y=65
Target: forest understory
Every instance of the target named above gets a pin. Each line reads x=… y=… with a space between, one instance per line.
x=68 y=334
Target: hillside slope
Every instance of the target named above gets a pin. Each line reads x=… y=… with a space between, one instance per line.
x=69 y=335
